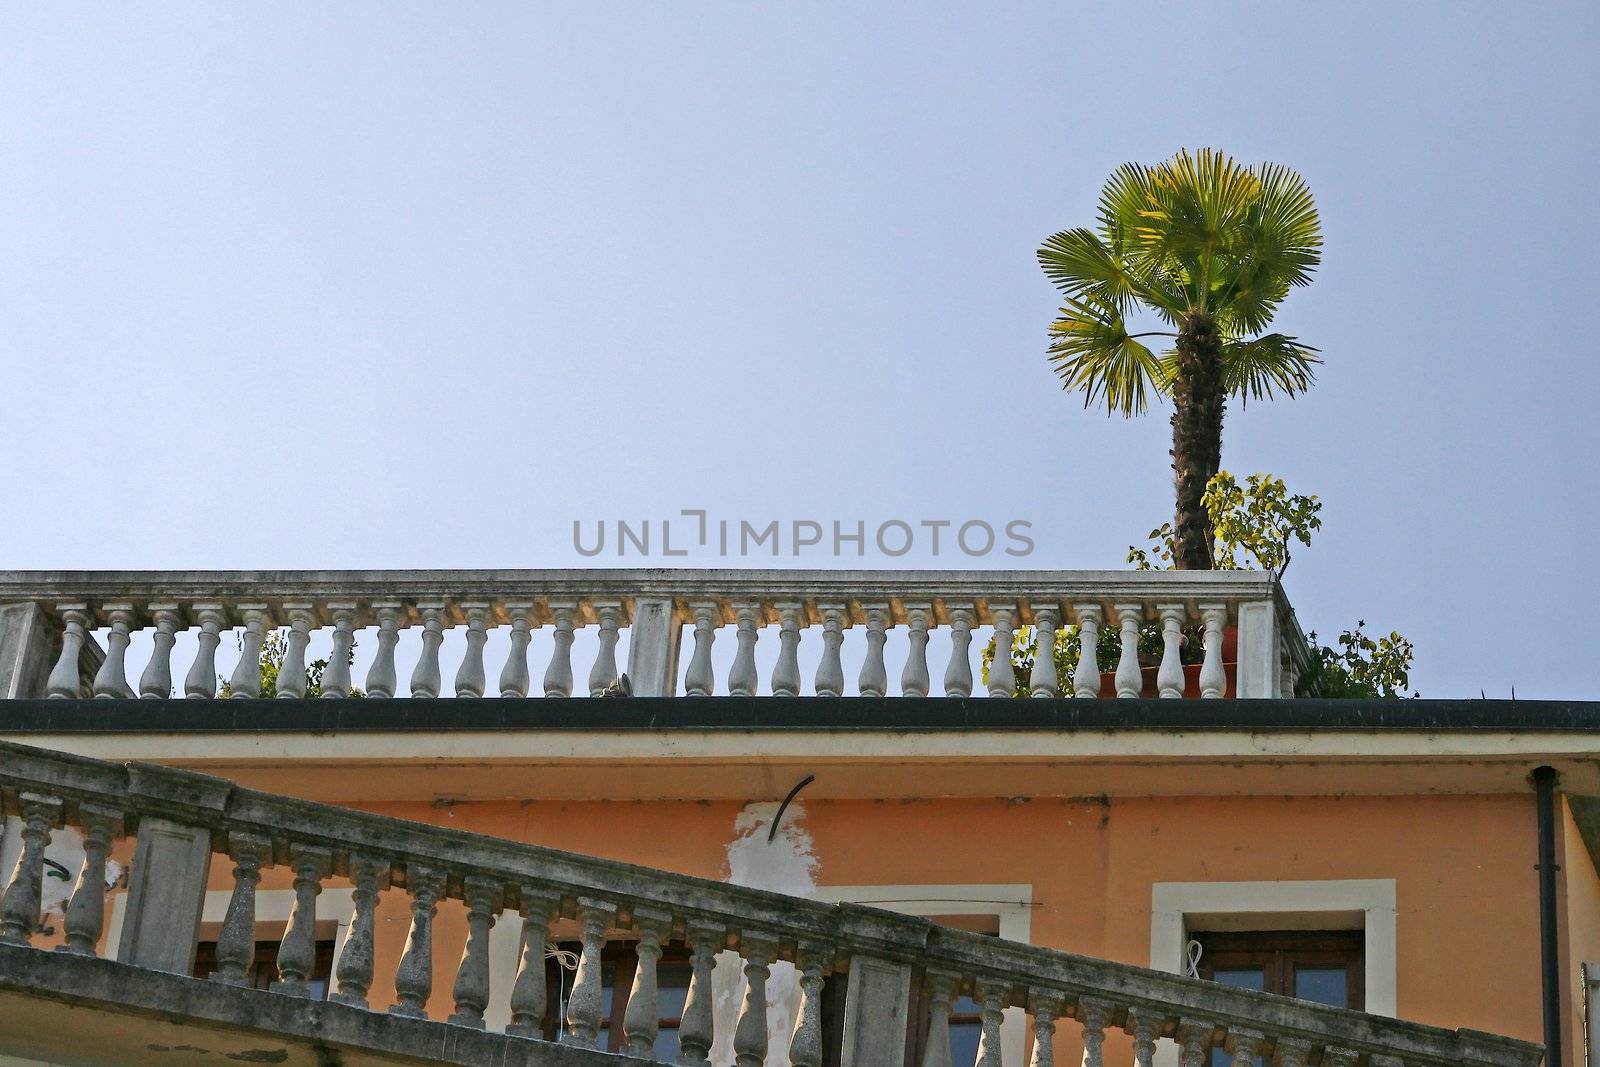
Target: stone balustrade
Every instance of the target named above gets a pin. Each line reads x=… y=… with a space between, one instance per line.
x=179 y=819
x=48 y=622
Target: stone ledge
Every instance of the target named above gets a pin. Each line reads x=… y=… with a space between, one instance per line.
x=157 y=1018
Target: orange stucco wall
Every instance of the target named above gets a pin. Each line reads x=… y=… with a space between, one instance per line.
x=1467 y=925
x=1580 y=898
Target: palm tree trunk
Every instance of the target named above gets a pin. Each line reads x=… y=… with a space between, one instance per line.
x=1196 y=437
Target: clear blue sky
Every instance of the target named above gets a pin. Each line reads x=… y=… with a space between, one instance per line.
x=417 y=285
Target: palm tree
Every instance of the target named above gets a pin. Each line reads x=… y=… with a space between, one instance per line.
x=1208 y=247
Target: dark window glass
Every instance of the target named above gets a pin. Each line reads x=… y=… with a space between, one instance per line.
x=966 y=1027
x=1324 y=967
x=263 y=970
x=1242 y=978
x=1323 y=985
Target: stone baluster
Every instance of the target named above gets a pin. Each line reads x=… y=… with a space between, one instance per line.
x=201 y=682
x=528 y=991
x=697 y=1030
x=66 y=681
x=874 y=678
x=336 y=677
x=236 y=943
x=1042 y=679
x=514 y=677
x=991 y=1002
x=381 y=676
x=297 y=952
x=1130 y=678
x=941 y=989
x=470 y=680
x=786 y=672
x=914 y=678
x=1242 y=1045
x=353 y=976
x=583 y=1004
x=19 y=909
x=1288 y=674
x=750 y=1032
x=292 y=673
x=1295 y=1052
x=246 y=680
x=86 y=911
x=1092 y=1016
x=1046 y=1010
x=1169 y=677
x=1194 y=1042
x=426 y=679
x=700 y=681
x=643 y=1017
x=1002 y=675
x=829 y=680
x=156 y=681
x=413 y=979
x=604 y=671
x=111 y=681
x=742 y=678
x=805 y=1044
x=958 y=675
x=471 y=991
x=1213 y=678
x=558 y=676
x=1086 y=679
x=1145 y=1028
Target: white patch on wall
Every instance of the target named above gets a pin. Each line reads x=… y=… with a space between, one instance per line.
x=63 y=855
x=786 y=864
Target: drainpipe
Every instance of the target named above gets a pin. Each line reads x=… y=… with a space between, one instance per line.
x=1544 y=787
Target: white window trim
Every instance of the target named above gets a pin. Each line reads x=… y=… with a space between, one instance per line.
x=1011 y=903
x=1173 y=903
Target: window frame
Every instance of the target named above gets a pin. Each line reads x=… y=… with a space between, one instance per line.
x=1280 y=953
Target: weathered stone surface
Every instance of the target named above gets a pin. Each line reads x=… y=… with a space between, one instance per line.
x=876 y=1008
x=166 y=892
x=61 y=1007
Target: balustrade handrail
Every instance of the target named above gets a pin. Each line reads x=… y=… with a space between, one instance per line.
x=50 y=788
x=655 y=605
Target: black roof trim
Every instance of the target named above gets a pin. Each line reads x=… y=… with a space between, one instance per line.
x=788 y=713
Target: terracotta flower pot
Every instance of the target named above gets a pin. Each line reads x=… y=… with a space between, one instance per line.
x=1191 y=673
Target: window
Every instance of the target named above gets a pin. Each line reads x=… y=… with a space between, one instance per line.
x=1325 y=967
x=263 y=969
x=966 y=1014
x=618 y=962
x=966 y=1027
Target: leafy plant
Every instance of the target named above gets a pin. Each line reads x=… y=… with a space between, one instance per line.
x=273 y=648
x=1254 y=526
x=1362 y=666
x=1258 y=520
x=1209 y=248
x=1108 y=652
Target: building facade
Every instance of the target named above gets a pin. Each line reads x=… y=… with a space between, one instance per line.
x=1376 y=855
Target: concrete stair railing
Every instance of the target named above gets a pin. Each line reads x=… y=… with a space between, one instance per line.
x=179 y=820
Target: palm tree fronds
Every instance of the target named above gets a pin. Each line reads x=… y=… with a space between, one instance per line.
x=1093 y=352
x=1264 y=366
x=1127 y=194
x=1079 y=263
